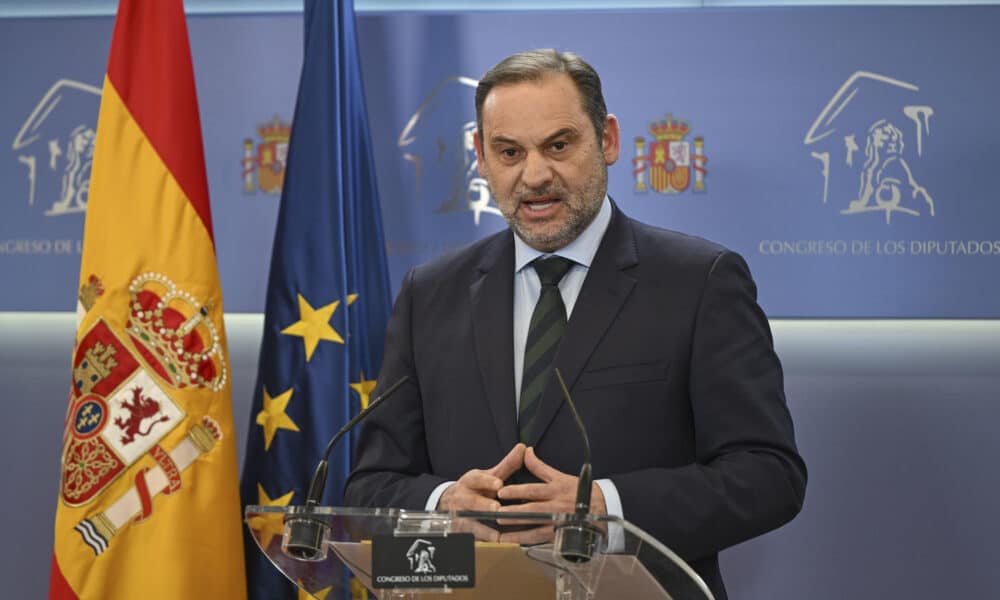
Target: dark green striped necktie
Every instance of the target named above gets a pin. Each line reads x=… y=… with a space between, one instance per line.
x=548 y=322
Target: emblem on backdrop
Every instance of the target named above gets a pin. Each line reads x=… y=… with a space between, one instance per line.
x=869 y=140
x=437 y=142
x=671 y=163
x=264 y=161
x=55 y=144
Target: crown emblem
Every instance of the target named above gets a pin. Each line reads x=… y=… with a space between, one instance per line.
x=669 y=164
x=669 y=129
x=275 y=130
x=174 y=333
x=91 y=291
x=265 y=161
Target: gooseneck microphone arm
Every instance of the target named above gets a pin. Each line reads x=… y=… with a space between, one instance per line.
x=576 y=538
x=319 y=476
x=586 y=481
x=305 y=536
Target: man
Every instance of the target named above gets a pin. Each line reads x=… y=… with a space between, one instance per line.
x=667 y=355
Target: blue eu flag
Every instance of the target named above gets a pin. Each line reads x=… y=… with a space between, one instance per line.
x=328 y=295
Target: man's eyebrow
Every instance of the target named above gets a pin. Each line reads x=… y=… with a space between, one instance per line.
x=564 y=132
x=502 y=140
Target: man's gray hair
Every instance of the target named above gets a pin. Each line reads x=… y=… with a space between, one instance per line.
x=534 y=65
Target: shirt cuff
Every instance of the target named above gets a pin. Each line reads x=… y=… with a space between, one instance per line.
x=432 y=502
x=613 y=503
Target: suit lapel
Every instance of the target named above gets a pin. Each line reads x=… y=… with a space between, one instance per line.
x=602 y=296
x=492 y=297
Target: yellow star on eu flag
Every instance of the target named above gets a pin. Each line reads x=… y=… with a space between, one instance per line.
x=271 y=524
x=318 y=594
x=314 y=325
x=364 y=389
x=273 y=417
x=358 y=590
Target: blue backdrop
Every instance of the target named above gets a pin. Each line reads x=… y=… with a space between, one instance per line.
x=894 y=418
x=844 y=151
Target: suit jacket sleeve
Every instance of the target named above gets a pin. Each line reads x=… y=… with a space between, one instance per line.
x=394 y=468
x=747 y=477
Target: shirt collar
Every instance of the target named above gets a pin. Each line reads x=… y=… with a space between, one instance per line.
x=581 y=250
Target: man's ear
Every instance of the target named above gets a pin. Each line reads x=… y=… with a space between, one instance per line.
x=480 y=163
x=611 y=144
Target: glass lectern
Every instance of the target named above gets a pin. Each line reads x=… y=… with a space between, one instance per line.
x=399 y=554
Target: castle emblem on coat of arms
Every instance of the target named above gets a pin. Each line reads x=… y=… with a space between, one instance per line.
x=268 y=158
x=669 y=159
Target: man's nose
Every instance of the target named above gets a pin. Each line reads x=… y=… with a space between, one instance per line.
x=537 y=171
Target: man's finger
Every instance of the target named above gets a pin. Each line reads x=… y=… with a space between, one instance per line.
x=537 y=535
x=525 y=491
x=478 y=530
x=482 y=504
x=528 y=507
x=541 y=506
x=509 y=464
x=482 y=481
x=538 y=468
x=460 y=497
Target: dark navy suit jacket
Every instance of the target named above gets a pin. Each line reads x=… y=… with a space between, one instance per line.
x=667 y=355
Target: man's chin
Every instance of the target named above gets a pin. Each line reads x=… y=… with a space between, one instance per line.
x=543 y=241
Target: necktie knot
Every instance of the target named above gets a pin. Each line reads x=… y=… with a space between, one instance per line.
x=552 y=269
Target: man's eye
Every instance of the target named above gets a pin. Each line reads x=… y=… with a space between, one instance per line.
x=559 y=146
x=509 y=152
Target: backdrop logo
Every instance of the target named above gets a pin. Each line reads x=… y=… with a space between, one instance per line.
x=437 y=140
x=269 y=158
x=881 y=113
x=669 y=159
x=56 y=146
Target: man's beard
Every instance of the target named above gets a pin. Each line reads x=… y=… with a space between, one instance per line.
x=580 y=212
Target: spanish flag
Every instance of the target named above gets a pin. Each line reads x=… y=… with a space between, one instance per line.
x=148 y=502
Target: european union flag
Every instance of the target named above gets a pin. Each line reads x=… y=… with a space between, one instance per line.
x=328 y=296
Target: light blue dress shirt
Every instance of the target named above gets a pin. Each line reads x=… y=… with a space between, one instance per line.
x=527 y=288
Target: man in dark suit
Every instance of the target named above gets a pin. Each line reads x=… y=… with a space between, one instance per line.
x=667 y=355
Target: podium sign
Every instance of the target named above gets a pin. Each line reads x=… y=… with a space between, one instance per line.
x=424 y=561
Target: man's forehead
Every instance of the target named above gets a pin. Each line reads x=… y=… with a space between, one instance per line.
x=544 y=107
x=503 y=93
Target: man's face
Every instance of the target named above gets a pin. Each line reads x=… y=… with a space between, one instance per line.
x=543 y=161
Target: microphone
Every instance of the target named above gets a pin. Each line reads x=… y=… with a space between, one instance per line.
x=576 y=538
x=304 y=533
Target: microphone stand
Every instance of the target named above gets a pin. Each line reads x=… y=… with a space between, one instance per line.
x=577 y=539
x=304 y=533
